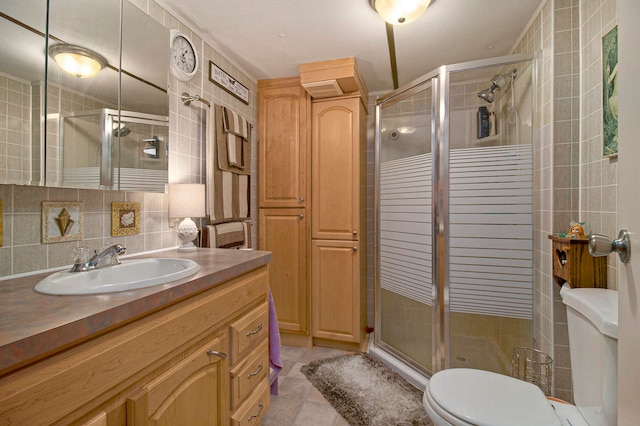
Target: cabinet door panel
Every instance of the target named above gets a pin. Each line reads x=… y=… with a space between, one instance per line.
x=282 y=151
x=283 y=232
x=335 y=290
x=336 y=174
x=193 y=392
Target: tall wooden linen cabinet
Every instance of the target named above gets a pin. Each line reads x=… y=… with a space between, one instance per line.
x=312 y=204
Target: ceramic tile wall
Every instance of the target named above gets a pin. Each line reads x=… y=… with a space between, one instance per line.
x=22 y=251
x=572 y=179
x=538 y=37
x=566 y=165
x=15 y=101
x=598 y=174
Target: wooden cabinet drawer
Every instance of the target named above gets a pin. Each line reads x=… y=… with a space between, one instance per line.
x=253 y=410
x=249 y=374
x=248 y=331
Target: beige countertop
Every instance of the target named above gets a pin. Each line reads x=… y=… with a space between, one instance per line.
x=34 y=325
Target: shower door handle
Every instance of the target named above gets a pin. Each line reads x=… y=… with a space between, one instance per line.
x=599 y=245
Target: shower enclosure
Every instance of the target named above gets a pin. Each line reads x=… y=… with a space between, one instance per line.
x=113 y=149
x=454 y=213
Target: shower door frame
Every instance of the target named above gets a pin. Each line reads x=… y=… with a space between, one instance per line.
x=440 y=81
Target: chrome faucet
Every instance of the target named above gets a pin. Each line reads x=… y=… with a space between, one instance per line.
x=107 y=257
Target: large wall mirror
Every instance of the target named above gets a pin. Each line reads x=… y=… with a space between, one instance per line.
x=109 y=131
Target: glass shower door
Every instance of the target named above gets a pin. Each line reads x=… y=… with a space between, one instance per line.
x=404 y=293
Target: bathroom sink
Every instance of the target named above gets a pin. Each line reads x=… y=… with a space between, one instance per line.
x=129 y=275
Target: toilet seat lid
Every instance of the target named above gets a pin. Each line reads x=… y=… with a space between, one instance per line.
x=484 y=398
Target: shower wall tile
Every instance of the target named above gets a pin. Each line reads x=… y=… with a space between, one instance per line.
x=598 y=173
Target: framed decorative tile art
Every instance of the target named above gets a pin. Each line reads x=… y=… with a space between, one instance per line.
x=61 y=221
x=610 y=93
x=125 y=219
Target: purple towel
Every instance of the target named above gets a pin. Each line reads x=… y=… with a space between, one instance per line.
x=275 y=357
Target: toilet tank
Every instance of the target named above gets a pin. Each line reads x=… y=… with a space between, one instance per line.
x=592 y=318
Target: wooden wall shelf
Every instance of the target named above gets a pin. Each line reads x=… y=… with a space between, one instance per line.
x=572 y=263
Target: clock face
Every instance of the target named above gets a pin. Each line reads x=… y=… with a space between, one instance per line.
x=184 y=59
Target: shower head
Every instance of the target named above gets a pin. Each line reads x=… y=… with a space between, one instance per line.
x=498 y=82
x=121 y=132
x=487 y=95
x=120 y=129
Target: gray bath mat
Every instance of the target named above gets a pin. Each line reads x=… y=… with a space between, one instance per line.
x=366 y=392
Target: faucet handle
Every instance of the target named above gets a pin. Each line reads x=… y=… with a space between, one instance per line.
x=81 y=254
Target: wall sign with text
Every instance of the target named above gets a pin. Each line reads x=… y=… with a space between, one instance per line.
x=218 y=76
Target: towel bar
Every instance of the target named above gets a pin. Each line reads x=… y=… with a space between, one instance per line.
x=187 y=99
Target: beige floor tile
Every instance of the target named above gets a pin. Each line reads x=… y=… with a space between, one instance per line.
x=294 y=387
x=315 y=396
x=340 y=421
x=298 y=402
x=312 y=414
x=283 y=410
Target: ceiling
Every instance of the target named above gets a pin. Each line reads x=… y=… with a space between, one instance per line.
x=271 y=38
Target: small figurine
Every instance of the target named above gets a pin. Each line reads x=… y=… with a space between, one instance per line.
x=577 y=231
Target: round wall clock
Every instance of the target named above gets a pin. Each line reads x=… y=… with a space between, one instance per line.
x=183 y=63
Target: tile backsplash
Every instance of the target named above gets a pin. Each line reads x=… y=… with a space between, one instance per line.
x=22 y=250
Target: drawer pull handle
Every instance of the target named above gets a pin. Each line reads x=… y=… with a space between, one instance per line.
x=253 y=416
x=255 y=373
x=216 y=353
x=256 y=331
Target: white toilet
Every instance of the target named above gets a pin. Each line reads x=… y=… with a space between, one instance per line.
x=463 y=396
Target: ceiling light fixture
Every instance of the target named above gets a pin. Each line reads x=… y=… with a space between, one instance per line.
x=400 y=11
x=77 y=61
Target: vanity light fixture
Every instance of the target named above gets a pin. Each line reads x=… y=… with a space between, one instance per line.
x=400 y=11
x=77 y=61
x=187 y=200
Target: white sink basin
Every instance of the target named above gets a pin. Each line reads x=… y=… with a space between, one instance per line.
x=129 y=275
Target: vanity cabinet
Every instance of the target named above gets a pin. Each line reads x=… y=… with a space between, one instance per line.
x=172 y=366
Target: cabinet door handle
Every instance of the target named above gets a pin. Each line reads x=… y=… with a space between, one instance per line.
x=253 y=416
x=355 y=248
x=256 y=331
x=301 y=200
x=301 y=216
x=355 y=233
x=216 y=353
x=255 y=373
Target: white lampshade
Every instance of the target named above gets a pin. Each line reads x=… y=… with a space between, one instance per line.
x=400 y=11
x=187 y=200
